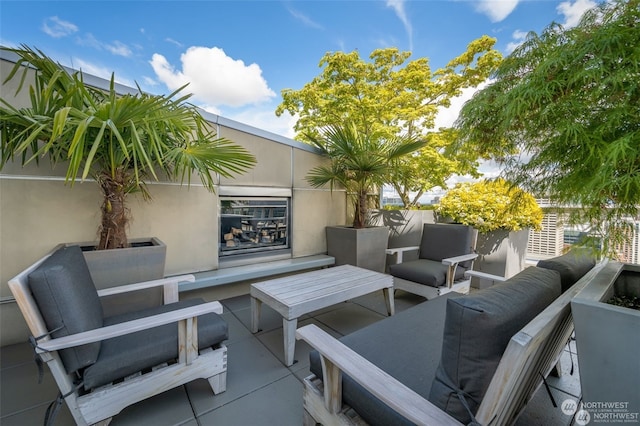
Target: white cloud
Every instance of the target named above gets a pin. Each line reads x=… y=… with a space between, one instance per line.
x=447 y=116
x=518 y=38
x=398 y=7
x=174 y=42
x=304 y=18
x=57 y=28
x=573 y=11
x=496 y=10
x=214 y=78
x=118 y=48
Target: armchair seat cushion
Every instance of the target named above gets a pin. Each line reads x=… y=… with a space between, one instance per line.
x=424 y=271
x=128 y=354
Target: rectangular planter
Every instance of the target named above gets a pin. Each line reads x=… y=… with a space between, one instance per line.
x=143 y=261
x=608 y=343
x=500 y=253
x=358 y=247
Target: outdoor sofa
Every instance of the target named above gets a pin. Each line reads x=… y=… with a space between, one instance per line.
x=455 y=359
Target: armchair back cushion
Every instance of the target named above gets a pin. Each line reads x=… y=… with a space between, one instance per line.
x=443 y=240
x=68 y=302
x=478 y=328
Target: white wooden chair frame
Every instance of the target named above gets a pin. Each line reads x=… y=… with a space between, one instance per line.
x=531 y=354
x=461 y=286
x=99 y=405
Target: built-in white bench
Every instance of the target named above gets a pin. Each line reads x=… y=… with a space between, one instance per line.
x=258 y=270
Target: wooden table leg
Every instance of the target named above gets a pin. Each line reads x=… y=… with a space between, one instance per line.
x=256 y=304
x=289 y=330
x=388 y=299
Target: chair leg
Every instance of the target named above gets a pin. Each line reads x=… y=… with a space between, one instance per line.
x=104 y=422
x=218 y=382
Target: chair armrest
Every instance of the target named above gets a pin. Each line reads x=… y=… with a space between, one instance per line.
x=452 y=264
x=383 y=386
x=128 y=327
x=485 y=276
x=400 y=251
x=170 y=285
x=457 y=259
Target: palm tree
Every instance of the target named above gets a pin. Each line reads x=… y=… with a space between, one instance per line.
x=360 y=162
x=119 y=140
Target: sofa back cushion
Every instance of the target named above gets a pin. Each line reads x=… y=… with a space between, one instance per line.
x=68 y=302
x=571 y=266
x=443 y=240
x=478 y=328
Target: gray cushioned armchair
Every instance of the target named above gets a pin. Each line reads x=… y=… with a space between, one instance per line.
x=445 y=253
x=104 y=364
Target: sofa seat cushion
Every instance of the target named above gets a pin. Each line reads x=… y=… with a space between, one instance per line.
x=406 y=345
x=424 y=271
x=68 y=302
x=572 y=266
x=124 y=355
x=478 y=328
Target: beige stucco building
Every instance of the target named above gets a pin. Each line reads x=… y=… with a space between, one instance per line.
x=38 y=210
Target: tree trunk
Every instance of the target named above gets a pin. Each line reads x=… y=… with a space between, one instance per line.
x=115 y=215
x=361 y=207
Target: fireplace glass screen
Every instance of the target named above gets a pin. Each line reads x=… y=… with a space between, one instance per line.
x=251 y=225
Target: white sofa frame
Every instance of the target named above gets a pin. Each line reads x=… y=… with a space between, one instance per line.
x=530 y=356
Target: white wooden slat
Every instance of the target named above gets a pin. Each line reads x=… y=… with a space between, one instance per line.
x=130 y=326
x=146 y=284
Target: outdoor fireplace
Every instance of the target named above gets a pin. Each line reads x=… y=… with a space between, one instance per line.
x=253 y=225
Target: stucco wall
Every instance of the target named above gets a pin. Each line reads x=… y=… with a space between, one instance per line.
x=38 y=210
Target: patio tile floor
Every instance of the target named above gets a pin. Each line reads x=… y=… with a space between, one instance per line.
x=260 y=389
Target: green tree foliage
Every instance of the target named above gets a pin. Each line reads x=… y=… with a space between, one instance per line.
x=563 y=115
x=489 y=205
x=393 y=96
x=359 y=162
x=119 y=140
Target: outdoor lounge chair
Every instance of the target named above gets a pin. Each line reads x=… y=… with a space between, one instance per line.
x=446 y=252
x=102 y=365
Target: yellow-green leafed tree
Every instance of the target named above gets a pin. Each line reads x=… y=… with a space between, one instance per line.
x=489 y=205
x=390 y=95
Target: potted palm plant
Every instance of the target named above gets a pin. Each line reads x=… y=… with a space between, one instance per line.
x=119 y=140
x=360 y=163
x=502 y=214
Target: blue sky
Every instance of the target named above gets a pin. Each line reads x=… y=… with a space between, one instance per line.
x=239 y=55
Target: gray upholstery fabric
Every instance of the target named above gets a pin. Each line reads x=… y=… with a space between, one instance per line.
x=478 y=328
x=67 y=299
x=442 y=240
x=424 y=271
x=572 y=266
x=439 y=241
x=406 y=345
x=125 y=355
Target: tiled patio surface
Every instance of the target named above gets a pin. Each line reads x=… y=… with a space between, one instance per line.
x=260 y=389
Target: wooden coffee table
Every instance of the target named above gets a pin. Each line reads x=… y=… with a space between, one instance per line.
x=296 y=295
